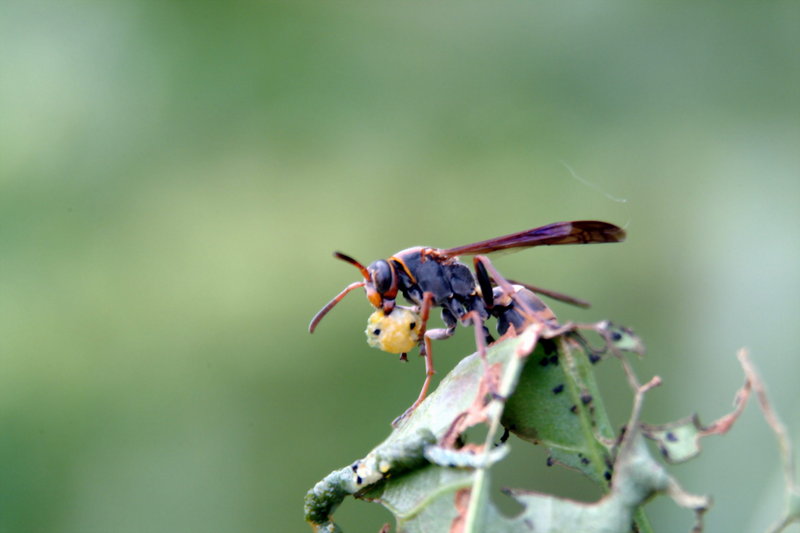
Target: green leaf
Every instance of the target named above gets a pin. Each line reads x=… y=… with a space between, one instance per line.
x=404 y=448
x=433 y=499
x=557 y=404
x=544 y=390
x=424 y=500
x=678 y=441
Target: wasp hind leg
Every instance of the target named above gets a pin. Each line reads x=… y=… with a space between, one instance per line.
x=485 y=272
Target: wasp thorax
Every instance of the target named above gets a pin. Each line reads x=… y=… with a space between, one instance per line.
x=397 y=332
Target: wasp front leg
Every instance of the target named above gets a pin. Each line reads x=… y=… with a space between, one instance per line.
x=426 y=351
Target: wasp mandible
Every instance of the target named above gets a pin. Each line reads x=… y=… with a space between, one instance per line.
x=434 y=277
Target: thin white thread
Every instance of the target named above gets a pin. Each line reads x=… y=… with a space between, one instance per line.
x=597 y=188
x=593 y=186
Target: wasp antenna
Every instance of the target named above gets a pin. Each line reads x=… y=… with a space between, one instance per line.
x=348 y=259
x=328 y=306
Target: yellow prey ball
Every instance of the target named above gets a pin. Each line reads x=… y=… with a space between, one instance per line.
x=397 y=332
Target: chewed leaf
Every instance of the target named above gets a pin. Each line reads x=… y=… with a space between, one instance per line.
x=424 y=500
x=392 y=458
x=624 y=339
x=638 y=477
x=457 y=392
x=433 y=499
x=322 y=500
x=557 y=404
x=404 y=450
x=541 y=385
x=678 y=441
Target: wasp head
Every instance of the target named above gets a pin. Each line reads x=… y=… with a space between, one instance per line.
x=380 y=283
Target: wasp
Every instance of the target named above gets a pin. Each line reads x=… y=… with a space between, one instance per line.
x=434 y=277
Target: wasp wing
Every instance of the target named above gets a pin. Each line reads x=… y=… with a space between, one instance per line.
x=575 y=232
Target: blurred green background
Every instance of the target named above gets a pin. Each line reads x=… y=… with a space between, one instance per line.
x=174 y=177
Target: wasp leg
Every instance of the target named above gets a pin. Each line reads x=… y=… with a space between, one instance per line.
x=561 y=297
x=424 y=314
x=426 y=351
x=484 y=282
x=486 y=265
x=526 y=304
x=480 y=342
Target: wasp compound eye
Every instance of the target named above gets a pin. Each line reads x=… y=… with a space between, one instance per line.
x=397 y=332
x=382 y=276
